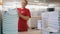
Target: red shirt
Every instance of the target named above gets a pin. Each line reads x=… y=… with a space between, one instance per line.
x=22 y=24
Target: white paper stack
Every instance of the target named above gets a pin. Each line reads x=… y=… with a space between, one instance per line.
x=44 y=23
x=10 y=22
x=50 y=21
x=53 y=24
x=39 y=25
x=44 y=20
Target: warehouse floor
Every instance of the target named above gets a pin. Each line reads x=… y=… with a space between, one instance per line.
x=34 y=32
x=31 y=32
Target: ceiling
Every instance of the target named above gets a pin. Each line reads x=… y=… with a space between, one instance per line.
x=49 y=1
x=58 y=1
x=37 y=2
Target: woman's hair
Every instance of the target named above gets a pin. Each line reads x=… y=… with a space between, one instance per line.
x=26 y=2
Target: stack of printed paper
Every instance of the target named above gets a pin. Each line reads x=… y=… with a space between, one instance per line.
x=10 y=22
x=50 y=21
x=39 y=25
x=53 y=24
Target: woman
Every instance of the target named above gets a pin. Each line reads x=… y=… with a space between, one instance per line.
x=24 y=15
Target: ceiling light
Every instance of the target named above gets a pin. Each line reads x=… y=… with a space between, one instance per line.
x=36 y=1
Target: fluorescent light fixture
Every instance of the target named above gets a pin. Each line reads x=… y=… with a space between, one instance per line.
x=36 y=1
x=12 y=5
x=42 y=4
x=52 y=5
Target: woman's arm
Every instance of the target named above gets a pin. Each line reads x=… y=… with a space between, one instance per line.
x=24 y=17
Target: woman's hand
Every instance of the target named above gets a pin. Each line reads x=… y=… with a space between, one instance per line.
x=22 y=16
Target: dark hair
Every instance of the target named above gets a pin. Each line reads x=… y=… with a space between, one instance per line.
x=26 y=2
x=50 y=9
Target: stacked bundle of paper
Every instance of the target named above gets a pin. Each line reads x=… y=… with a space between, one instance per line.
x=10 y=22
x=50 y=21
x=44 y=20
x=39 y=25
x=59 y=23
x=53 y=24
x=44 y=23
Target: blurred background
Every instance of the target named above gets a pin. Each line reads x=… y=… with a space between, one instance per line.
x=37 y=7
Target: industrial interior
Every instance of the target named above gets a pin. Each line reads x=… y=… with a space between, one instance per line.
x=42 y=12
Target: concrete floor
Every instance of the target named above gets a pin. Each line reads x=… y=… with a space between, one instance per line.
x=34 y=32
x=31 y=32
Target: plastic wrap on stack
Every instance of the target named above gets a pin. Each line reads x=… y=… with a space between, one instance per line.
x=44 y=22
x=39 y=25
x=10 y=21
x=59 y=23
x=53 y=24
x=50 y=21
